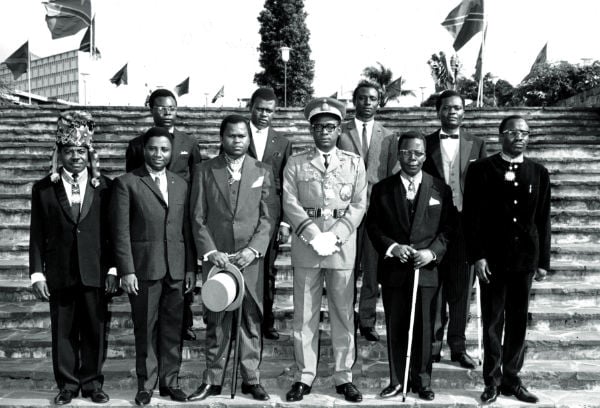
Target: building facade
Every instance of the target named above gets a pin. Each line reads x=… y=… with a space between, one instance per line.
x=55 y=76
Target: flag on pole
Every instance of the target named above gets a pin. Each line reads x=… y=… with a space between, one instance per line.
x=85 y=45
x=464 y=21
x=183 y=87
x=67 y=17
x=540 y=59
x=18 y=61
x=334 y=95
x=394 y=89
x=219 y=94
x=120 y=77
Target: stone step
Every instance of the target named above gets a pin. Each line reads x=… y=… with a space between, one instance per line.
x=543 y=314
x=584 y=252
x=541 y=345
x=320 y=397
x=367 y=374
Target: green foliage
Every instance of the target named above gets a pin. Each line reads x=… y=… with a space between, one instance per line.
x=382 y=76
x=282 y=23
x=550 y=83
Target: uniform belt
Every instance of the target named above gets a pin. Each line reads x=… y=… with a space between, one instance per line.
x=325 y=212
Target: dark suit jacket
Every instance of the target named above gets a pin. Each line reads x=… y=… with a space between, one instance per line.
x=218 y=225
x=150 y=237
x=388 y=222
x=185 y=154
x=277 y=151
x=470 y=149
x=54 y=235
x=490 y=211
x=382 y=159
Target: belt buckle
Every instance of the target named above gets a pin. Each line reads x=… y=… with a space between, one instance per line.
x=326 y=213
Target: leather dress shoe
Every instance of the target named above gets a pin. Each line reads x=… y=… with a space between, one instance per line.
x=426 y=393
x=176 y=394
x=298 y=391
x=189 y=334
x=257 y=391
x=464 y=360
x=271 y=334
x=489 y=394
x=520 y=392
x=143 y=397
x=369 y=333
x=204 y=391
x=351 y=393
x=391 y=391
x=98 y=396
x=64 y=396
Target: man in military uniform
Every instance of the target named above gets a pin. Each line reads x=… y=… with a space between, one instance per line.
x=324 y=200
x=507 y=218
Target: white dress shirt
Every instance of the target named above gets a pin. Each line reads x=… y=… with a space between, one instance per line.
x=162 y=176
x=259 y=138
x=449 y=146
x=359 y=127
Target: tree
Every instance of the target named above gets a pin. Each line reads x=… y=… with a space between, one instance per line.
x=382 y=76
x=282 y=23
x=549 y=83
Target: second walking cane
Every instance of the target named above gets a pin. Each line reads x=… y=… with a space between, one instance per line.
x=410 y=332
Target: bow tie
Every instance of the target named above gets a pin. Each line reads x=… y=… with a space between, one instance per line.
x=445 y=136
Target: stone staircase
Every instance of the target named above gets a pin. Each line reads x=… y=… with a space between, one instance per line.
x=563 y=343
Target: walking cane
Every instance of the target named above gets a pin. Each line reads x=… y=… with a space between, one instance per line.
x=479 y=334
x=410 y=332
x=236 y=352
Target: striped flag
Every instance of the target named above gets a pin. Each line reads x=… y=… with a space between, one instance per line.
x=85 y=45
x=120 y=77
x=67 y=17
x=464 y=21
x=183 y=87
x=219 y=94
x=18 y=61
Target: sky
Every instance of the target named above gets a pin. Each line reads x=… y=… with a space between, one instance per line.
x=215 y=42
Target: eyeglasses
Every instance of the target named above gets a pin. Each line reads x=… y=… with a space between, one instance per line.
x=515 y=133
x=330 y=127
x=166 y=109
x=407 y=154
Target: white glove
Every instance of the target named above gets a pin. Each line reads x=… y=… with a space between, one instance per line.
x=324 y=244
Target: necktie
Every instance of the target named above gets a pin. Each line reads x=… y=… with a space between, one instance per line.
x=411 y=190
x=157 y=181
x=365 y=142
x=75 y=197
x=445 y=136
x=326 y=158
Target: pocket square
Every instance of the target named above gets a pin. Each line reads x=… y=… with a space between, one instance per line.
x=472 y=160
x=433 y=201
x=183 y=152
x=258 y=182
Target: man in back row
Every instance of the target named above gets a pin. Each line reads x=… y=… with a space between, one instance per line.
x=375 y=144
x=185 y=154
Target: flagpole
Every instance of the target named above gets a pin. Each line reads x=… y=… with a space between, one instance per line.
x=29 y=71
x=480 y=87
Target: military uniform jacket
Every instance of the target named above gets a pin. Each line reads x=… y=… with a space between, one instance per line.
x=342 y=187
x=507 y=222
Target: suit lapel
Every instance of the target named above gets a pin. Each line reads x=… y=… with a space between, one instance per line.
x=147 y=180
x=400 y=204
x=221 y=175
x=317 y=161
x=88 y=199
x=436 y=154
x=252 y=147
x=466 y=145
x=270 y=146
x=334 y=161
x=176 y=149
x=249 y=176
x=61 y=196
x=354 y=137
x=421 y=203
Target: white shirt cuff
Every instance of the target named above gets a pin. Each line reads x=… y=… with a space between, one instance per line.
x=284 y=224
x=37 y=277
x=388 y=253
x=112 y=271
x=205 y=257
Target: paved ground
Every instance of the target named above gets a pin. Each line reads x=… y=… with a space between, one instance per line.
x=320 y=398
